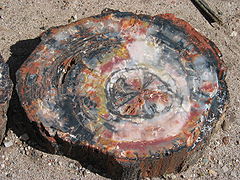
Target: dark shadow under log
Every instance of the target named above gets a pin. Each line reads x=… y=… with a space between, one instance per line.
x=18 y=121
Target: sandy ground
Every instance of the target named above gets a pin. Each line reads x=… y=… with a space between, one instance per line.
x=21 y=21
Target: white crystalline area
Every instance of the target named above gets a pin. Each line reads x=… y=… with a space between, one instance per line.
x=147 y=54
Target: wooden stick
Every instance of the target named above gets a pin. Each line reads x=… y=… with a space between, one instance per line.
x=207 y=12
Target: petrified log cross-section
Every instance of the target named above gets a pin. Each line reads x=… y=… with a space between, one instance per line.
x=5 y=95
x=144 y=92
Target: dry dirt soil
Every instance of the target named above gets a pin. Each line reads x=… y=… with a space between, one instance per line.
x=21 y=21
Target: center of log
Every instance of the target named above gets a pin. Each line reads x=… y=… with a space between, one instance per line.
x=136 y=93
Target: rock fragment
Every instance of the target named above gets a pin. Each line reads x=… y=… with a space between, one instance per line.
x=5 y=95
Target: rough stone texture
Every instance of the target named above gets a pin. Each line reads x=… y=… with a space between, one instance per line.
x=21 y=21
x=137 y=94
x=5 y=95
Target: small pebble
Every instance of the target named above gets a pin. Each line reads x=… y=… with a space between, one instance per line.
x=212 y=173
x=71 y=165
x=24 y=137
x=21 y=149
x=220 y=163
x=205 y=160
x=83 y=173
x=2 y=166
x=182 y=176
x=225 y=169
x=44 y=156
x=225 y=125
x=234 y=174
x=43 y=28
x=194 y=175
x=233 y=34
x=237 y=142
x=8 y=143
x=8 y=175
x=1 y=6
x=72 y=19
x=225 y=140
x=60 y=163
x=27 y=153
x=87 y=171
x=212 y=158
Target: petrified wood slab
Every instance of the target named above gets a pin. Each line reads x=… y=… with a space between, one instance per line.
x=135 y=94
x=5 y=95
